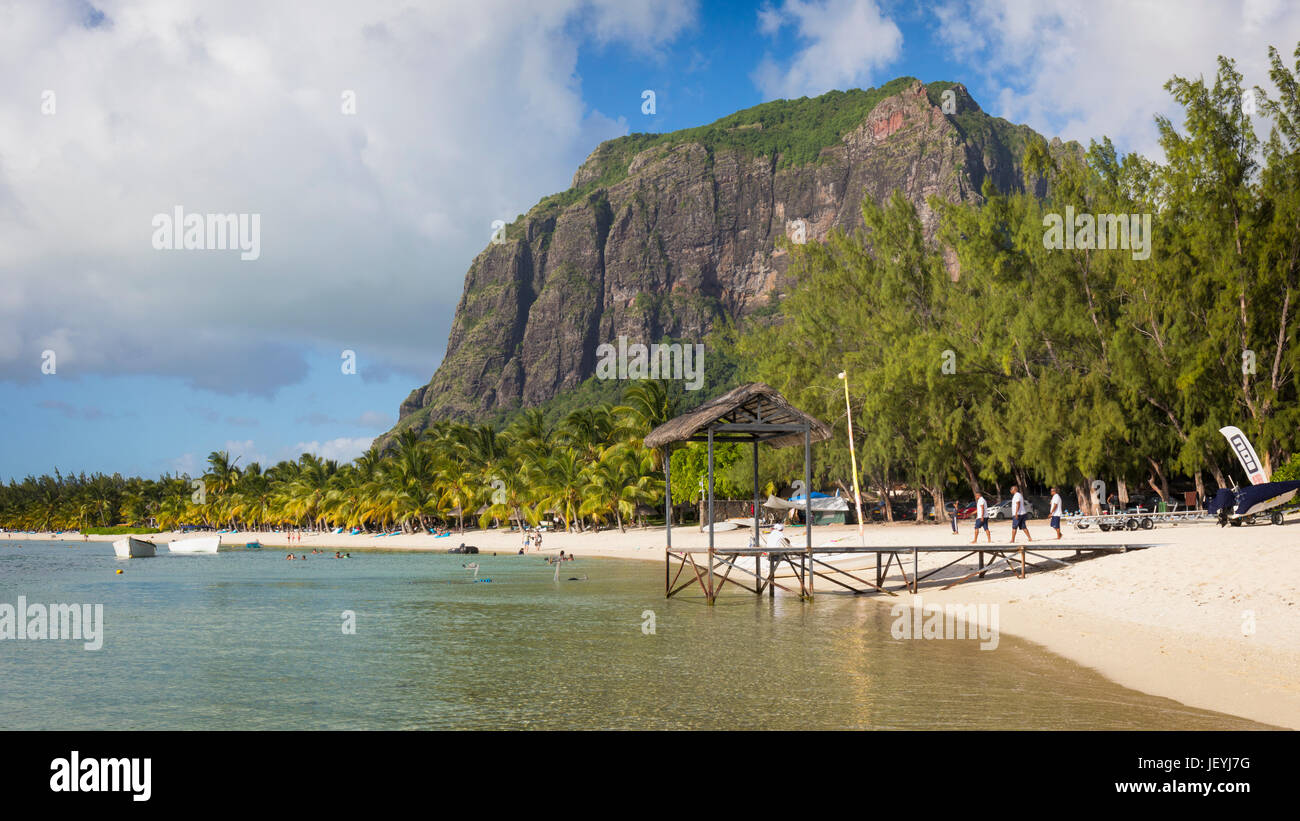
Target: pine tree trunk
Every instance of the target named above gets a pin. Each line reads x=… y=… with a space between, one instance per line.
x=1162 y=490
x=970 y=475
x=1218 y=474
x=889 y=506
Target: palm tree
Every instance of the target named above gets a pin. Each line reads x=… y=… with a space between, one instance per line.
x=222 y=473
x=646 y=406
x=589 y=430
x=307 y=490
x=561 y=482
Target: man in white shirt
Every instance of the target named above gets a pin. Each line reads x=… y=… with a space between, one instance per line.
x=1055 y=512
x=981 y=518
x=1018 y=514
x=776 y=539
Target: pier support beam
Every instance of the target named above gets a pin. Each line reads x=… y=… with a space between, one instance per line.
x=711 y=590
x=807 y=498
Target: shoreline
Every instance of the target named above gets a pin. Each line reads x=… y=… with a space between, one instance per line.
x=1170 y=621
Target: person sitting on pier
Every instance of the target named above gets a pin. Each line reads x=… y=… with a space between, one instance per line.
x=776 y=538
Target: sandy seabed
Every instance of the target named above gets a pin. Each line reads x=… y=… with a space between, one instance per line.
x=1206 y=616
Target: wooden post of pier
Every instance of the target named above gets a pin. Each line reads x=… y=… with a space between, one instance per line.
x=709 y=592
x=807 y=501
x=668 y=512
x=758 y=568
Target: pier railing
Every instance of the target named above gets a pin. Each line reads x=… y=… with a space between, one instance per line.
x=796 y=571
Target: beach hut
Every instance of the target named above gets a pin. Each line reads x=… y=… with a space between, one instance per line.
x=753 y=412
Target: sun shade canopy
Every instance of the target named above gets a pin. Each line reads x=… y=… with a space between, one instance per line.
x=753 y=412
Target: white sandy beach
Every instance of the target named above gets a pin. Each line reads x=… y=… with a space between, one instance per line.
x=1169 y=620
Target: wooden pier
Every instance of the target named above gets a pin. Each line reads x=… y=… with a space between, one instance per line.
x=758 y=414
x=796 y=571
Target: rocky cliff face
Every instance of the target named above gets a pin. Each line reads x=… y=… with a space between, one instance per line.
x=660 y=235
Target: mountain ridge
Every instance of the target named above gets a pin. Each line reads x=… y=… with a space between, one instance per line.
x=663 y=235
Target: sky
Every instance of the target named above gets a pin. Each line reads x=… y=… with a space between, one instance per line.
x=370 y=146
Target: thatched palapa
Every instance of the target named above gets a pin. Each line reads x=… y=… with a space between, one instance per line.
x=751 y=412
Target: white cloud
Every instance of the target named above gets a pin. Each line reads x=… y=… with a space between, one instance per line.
x=185 y=465
x=375 y=419
x=465 y=113
x=343 y=449
x=843 y=43
x=244 y=453
x=1082 y=71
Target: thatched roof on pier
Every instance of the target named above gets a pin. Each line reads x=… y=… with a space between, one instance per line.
x=753 y=404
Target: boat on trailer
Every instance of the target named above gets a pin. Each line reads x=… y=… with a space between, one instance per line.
x=196 y=544
x=129 y=547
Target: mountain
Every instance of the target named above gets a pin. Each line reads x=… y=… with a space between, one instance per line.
x=660 y=235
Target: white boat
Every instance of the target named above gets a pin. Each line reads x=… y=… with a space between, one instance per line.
x=129 y=547
x=196 y=544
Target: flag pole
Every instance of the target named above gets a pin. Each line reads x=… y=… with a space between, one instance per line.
x=857 y=493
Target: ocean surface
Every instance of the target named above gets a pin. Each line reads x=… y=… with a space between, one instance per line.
x=247 y=640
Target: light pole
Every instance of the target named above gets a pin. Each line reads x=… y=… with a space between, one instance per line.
x=857 y=494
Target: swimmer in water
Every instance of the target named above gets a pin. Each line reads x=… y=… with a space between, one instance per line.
x=289 y=557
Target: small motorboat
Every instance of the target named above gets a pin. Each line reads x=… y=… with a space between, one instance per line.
x=129 y=547
x=197 y=544
x=253 y=546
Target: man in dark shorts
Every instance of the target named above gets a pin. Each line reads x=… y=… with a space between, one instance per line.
x=1019 y=514
x=981 y=518
x=1055 y=512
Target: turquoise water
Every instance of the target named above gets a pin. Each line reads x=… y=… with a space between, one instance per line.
x=247 y=640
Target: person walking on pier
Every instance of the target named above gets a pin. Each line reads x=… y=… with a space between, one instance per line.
x=981 y=518
x=1055 y=512
x=1018 y=514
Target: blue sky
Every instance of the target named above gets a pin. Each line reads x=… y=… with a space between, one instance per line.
x=370 y=219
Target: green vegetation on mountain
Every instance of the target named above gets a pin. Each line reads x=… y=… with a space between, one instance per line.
x=791 y=132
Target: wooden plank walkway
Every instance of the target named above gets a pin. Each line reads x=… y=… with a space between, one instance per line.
x=802 y=568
